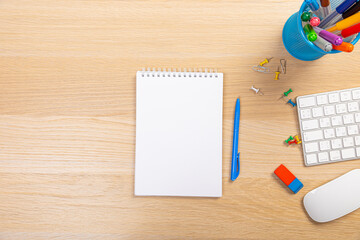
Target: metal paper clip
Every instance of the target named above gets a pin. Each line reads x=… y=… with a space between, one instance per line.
x=283 y=65
x=256 y=90
x=261 y=69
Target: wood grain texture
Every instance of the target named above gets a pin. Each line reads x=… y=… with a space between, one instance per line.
x=67 y=119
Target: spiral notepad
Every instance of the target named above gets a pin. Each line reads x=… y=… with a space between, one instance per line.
x=178 y=133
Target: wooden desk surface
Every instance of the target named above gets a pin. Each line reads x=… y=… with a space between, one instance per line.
x=67 y=119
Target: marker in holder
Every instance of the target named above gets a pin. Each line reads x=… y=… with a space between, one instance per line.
x=310 y=33
x=344 y=47
x=306 y=16
x=314 y=21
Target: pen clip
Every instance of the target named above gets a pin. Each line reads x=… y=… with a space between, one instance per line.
x=236 y=173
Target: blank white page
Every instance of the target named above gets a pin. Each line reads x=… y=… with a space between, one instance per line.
x=178 y=134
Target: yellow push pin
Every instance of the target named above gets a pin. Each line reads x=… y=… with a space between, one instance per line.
x=297 y=139
x=267 y=60
x=277 y=73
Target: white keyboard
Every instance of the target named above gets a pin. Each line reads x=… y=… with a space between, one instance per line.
x=329 y=125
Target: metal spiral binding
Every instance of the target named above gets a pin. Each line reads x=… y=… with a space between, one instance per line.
x=179 y=73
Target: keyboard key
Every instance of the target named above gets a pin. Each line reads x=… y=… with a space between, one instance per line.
x=345 y=96
x=348 y=119
x=322 y=99
x=307 y=102
x=329 y=110
x=318 y=112
x=336 y=121
x=310 y=124
x=353 y=130
x=329 y=133
x=324 y=145
x=348 y=153
x=311 y=147
x=335 y=155
x=323 y=157
x=357 y=140
x=353 y=106
x=336 y=143
x=348 y=142
x=357 y=117
x=358 y=151
x=334 y=97
x=341 y=108
x=356 y=94
x=340 y=131
x=311 y=158
x=313 y=135
x=306 y=113
x=325 y=122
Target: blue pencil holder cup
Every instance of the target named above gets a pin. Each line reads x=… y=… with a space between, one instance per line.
x=296 y=42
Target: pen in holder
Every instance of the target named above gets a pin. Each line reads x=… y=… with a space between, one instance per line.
x=296 y=42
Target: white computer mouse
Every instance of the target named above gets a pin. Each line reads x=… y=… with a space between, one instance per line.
x=334 y=199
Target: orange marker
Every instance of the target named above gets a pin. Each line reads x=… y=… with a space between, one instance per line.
x=348 y=22
x=344 y=47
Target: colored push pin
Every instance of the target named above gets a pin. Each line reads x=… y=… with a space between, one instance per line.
x=292 y=142
x=288 y=92
x=291 y=102
x=297 y=139
x=267 y=60
x=256 y=90
x=277 y=73
x=288 y=178
x=289 y=139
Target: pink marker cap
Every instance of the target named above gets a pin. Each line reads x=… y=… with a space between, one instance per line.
x=314 y=21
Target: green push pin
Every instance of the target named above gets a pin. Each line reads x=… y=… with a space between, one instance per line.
x=288 y=92
x=306 y=16
x=310 y=33
x=289 y=139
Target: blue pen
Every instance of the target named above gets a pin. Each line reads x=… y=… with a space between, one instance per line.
x=336 y=14
x=235 y=164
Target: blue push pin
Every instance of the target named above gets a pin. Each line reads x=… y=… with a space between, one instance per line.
x=292 y=103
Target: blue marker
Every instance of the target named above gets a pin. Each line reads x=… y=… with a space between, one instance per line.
x=315 y=7
x=235 y=164
x=336 y=14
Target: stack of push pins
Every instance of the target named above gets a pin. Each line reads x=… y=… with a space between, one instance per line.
x=293 y=140
x=332 y=29
x=288 y=100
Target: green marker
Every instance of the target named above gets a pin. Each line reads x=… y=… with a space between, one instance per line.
x=306 y=16
x=310 y=33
